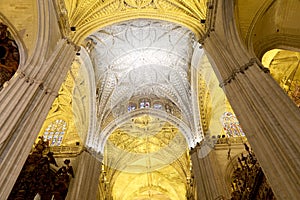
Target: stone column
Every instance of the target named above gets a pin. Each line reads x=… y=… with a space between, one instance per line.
x=85 y=184
x=209 y=180
x=28 y=96
x=270 y=120
x=24 y=107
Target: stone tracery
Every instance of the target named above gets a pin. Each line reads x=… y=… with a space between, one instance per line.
x=232 y=65
x=142 y=58
x=186 y=12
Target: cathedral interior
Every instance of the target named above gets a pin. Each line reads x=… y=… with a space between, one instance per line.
x=149 y=99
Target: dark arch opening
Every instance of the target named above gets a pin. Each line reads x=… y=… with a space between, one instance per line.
x=9 y=55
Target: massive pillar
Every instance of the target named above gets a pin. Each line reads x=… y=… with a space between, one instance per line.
x=85 y=184
x=28 y=96
x=208 y=177
x=269 y=118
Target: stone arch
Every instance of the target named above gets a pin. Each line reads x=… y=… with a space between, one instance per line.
x=90 y=114
x=93 y=26
x=103 y=136
x=262 y=34
x=284 y=68
x=86 y=21
x=229 y=169
x=244 y=171
x=284 y=41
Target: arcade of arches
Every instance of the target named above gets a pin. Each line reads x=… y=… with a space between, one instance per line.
x=149 y=99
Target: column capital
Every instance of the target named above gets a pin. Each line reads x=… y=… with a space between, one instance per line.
x=242 y=69
x=204 y=147
x=92 y=152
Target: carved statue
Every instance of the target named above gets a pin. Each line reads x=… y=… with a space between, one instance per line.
x=38 y=180
x=51 y=158
x=41 y=145
x=69 y=168
x=248 y=180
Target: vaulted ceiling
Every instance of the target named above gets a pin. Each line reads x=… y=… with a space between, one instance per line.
x=145 y=50
x=147 y=111
x=88 y=15
x=144 y=59
x=268 y=24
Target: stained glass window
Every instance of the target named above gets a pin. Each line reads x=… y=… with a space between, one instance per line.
x=157 y=106
x=231 y=125
x=145 y=104
x=55 y=132
x=131 y=106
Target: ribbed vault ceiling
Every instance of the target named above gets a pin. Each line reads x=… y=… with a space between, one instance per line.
x=140 y=62
x=138 y=59
x=159 y=68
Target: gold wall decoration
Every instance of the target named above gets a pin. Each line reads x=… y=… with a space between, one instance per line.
x=87 y=16
x=204 y=101
x=211 y=99
x=168 y=182
x=284 y=67
x=141 y=137
x=61 y=109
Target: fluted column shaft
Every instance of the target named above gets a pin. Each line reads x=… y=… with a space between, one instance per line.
x=25 y=102
x=270 y=120
x=85 y=184
x=272 y=125
x=24 y=107
x=208 y=177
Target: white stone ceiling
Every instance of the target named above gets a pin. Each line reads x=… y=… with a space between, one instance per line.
x=142 y=58
x=136 y=60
